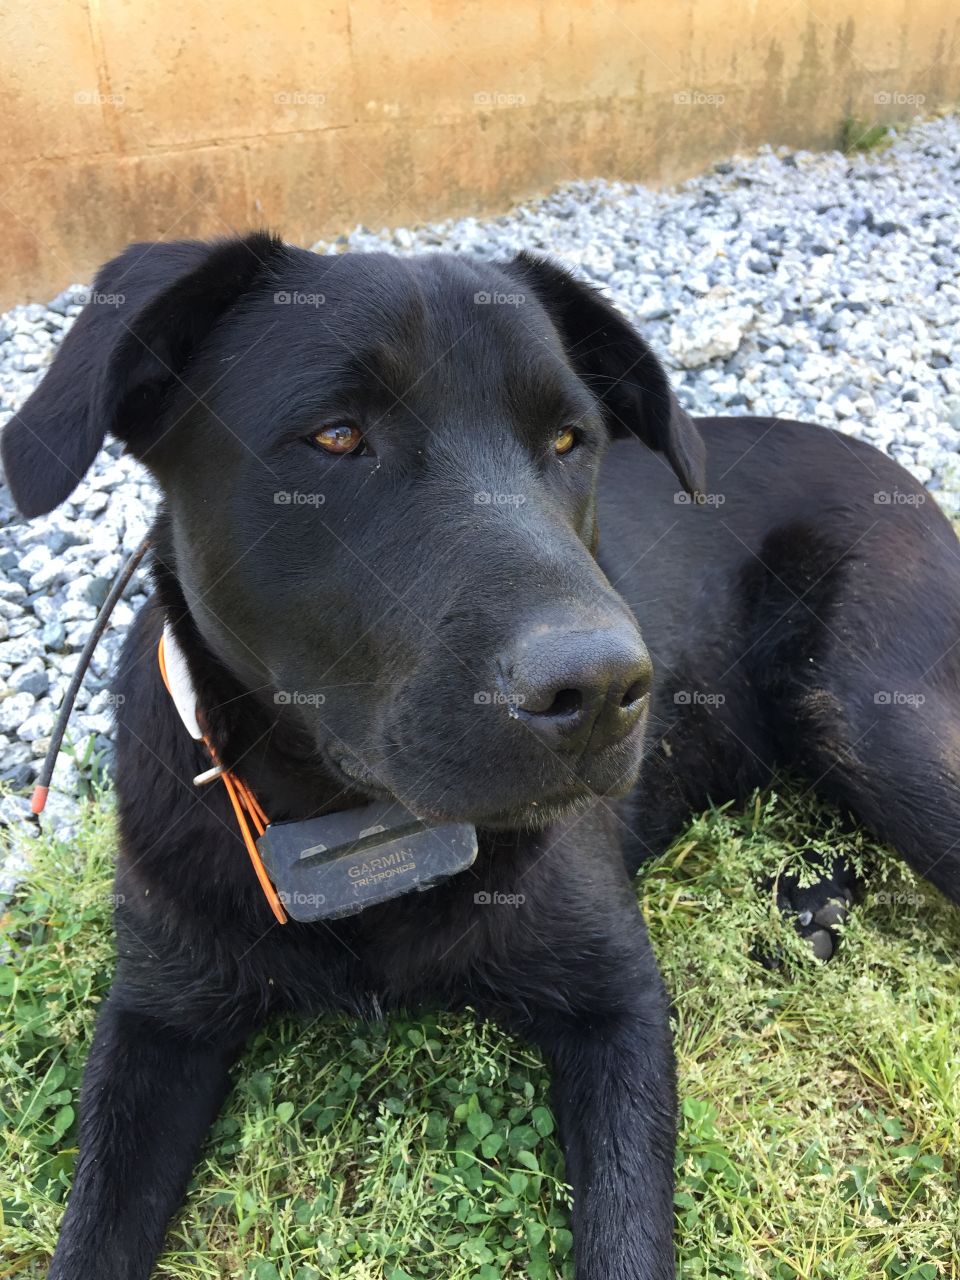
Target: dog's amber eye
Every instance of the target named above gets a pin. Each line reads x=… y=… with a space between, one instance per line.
x=566 y=439
x=338 y=437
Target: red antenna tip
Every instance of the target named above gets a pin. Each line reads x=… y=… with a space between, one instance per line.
x=39 y=799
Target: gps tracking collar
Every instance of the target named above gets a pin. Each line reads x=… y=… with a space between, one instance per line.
x=336 y=865
x=318 y=869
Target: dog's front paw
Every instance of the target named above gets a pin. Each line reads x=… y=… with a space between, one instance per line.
x=820 y=909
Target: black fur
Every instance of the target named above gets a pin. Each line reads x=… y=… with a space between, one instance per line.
x=388 y=611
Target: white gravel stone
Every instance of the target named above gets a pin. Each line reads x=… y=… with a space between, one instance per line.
x=14 y=711
x=715 y=337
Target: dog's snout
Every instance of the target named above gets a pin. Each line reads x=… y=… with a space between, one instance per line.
x=575 y=689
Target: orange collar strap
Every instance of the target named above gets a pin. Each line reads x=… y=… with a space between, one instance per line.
x=246 y=807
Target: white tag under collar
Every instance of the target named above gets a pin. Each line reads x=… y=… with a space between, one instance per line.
x=182 y=692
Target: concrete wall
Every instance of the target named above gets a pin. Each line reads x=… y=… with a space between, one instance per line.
x=134 y=119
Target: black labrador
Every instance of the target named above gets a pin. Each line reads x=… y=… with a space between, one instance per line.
x=414 y=514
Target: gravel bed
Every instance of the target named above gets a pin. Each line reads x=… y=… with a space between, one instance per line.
x=816 y=286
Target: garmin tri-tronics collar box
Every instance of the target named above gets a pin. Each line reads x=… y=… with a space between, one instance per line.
x=339 y=864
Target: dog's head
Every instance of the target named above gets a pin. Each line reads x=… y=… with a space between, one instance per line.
x=380 y=481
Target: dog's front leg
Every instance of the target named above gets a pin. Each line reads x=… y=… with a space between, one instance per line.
x=149 y=1096
x=615 y=1099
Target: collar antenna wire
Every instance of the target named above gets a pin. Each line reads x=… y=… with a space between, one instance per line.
x=42 y=789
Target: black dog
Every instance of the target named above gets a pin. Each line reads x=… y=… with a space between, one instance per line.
x=405 y=538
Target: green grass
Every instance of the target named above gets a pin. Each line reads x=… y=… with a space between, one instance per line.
x=820 y=1126
x=856 y=135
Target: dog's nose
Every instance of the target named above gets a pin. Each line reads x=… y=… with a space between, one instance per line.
x=577 y=690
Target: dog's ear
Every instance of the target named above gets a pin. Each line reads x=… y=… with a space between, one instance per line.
x=146 y=314
x=618 y=367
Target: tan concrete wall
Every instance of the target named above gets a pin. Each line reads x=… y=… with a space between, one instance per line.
x=133 y=119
